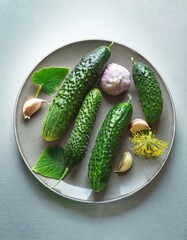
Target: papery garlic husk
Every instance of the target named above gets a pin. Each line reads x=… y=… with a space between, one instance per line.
x=125 y=162
x=115 y=79
x=31 y=106
x=138 y=125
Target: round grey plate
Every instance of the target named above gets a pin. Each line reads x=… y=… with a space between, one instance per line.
x=76 y=186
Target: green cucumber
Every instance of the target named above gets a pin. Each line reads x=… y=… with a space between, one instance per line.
x=72 y=92
x=107 y=144
x=148 y=90
x=76 y=147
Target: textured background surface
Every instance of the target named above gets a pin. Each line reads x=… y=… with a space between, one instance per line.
x=32 y=29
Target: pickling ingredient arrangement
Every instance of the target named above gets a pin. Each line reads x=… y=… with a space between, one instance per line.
x=77 y=96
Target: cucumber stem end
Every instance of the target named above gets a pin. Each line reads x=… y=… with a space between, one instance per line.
x=130 y=98
x=110 y=46
x=132 y=60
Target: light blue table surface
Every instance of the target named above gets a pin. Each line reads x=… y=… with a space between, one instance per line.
x=29 y=30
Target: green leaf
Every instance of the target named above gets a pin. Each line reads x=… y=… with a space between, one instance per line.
x=50 y=78
x=50 y=163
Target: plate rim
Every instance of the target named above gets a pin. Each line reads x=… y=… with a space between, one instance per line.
x=121 y=196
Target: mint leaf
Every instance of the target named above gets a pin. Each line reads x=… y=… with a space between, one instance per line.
x=50 y=78
x=50 y=163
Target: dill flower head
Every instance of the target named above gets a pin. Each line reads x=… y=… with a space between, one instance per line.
x=147 y=145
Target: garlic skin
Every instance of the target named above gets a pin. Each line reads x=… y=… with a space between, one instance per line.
x=125 y=163
x=138 y=124
x=115 y=79
x=31 y=106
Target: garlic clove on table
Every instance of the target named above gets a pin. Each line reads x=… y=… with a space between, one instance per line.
x=31 y=106
x=125 y=162
x=138 y=125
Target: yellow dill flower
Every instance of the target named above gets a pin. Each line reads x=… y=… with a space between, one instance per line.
x=147 y=145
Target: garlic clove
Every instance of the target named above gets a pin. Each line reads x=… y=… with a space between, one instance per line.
x=125 y=162
x=31 y=106
x=138 y=125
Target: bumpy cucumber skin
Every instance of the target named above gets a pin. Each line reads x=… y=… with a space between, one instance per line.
x=72 y=92
x=107 y=144
x=148 y=90
x=76 y=147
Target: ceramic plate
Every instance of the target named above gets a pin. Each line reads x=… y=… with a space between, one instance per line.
x=76 y=186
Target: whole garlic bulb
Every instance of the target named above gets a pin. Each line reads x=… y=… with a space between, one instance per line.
x=115 y=79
